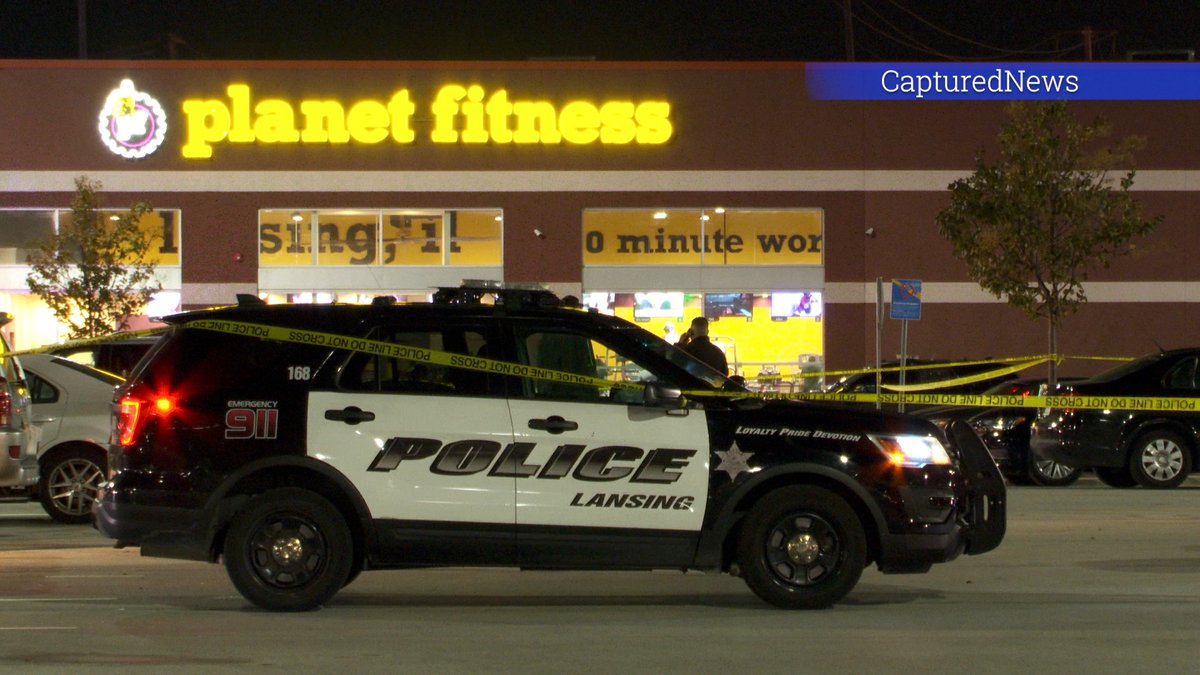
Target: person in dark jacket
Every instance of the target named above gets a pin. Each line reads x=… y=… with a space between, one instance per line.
x=695 y=342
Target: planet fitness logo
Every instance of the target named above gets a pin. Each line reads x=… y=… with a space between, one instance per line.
x=132 y=123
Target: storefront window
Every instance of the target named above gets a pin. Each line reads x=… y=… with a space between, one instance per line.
x=19 y=230
x=22 y=230
x=766 y=237
x=475 y=238
x=715 y=236
x=642 y=237
x=412 y=238
x=775 y=339
x=756 y=274
x=380 y=237
x=285 y=237
x=348 y=238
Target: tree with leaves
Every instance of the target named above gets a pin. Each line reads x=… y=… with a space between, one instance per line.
x=93 y=271
x=1031 y=225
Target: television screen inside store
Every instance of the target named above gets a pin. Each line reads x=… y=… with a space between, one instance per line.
x=774 y=339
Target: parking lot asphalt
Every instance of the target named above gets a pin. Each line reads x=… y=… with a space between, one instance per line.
x=1089 y=579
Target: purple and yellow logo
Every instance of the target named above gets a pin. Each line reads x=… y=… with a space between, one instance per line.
x=132 y=123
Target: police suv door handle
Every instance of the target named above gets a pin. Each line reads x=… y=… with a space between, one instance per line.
x=554 y=424
x=350 y=415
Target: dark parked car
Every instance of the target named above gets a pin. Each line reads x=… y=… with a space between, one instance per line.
x=1005 y=432
x=1152 y=448
x=923 y=372
x=117 y=356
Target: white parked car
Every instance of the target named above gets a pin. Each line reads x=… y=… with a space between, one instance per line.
x=18 y=436
x=72 y=405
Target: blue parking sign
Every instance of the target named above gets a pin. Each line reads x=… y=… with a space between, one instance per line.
x=906 y=299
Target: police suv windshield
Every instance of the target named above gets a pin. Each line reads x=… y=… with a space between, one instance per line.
x=695 y=367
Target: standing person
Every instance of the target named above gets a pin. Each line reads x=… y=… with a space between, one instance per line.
x=669 y=333
x=695 y=342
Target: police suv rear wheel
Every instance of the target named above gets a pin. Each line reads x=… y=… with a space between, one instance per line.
x=802 y=548
x=289 y=550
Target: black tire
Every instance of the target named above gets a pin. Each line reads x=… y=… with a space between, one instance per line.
x=1049 y=473
x=288 y=550
x=1159 y=459
x=68 y=482
x=1117 y=477
x=355 y=570
x=802 y=548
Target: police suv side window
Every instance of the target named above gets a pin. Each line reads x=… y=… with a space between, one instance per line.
x=578 y=354
x=369 y=372
x=1185 y=375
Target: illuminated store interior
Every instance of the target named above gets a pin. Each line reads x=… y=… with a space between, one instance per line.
x=352 y=255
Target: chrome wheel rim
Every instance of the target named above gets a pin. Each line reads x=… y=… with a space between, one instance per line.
x=1053 y=470
x=1162 y=459
x=73 y=485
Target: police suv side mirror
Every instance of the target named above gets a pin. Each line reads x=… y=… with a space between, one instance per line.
x=657 y=396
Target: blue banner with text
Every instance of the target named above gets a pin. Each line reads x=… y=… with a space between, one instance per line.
x=1087 y=81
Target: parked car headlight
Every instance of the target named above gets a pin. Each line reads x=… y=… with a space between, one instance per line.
x=911 y=451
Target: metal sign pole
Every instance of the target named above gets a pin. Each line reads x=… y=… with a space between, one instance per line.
x=903 y=357
x=878 y=337
x=906 y=306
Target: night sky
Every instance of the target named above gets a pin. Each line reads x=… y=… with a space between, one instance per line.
x=607 y=30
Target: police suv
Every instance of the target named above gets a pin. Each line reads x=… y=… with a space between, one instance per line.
x=302 y=444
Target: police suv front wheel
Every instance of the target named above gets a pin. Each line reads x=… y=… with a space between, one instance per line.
x=288 y=550
x=802 y=548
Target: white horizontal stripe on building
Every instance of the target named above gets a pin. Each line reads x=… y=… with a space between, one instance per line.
x=528 y=181
x=971 y=293
x=12 y=278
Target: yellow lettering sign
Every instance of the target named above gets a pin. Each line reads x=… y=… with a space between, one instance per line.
x=461 y=114
x=388 y=237
x=689 y=237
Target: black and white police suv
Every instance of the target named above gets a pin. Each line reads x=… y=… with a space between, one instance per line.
x=302 y=444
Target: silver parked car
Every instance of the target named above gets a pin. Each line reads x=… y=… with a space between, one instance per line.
x=18 y=437
x=72 y=405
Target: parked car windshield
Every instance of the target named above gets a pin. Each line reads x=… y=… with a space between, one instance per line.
x=1126 y=368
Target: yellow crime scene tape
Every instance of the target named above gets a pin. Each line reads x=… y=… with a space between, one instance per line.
x=908 y=395
x=83 y=342
x=965 y=379
x=398 y=351
x=919 y=366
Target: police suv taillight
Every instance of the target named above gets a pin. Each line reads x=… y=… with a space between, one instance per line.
x=133 y=412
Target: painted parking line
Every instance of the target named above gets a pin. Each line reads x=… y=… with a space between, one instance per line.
x=112 y=599
x=94 y=576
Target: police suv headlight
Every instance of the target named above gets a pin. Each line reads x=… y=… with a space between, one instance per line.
x=911 y=451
